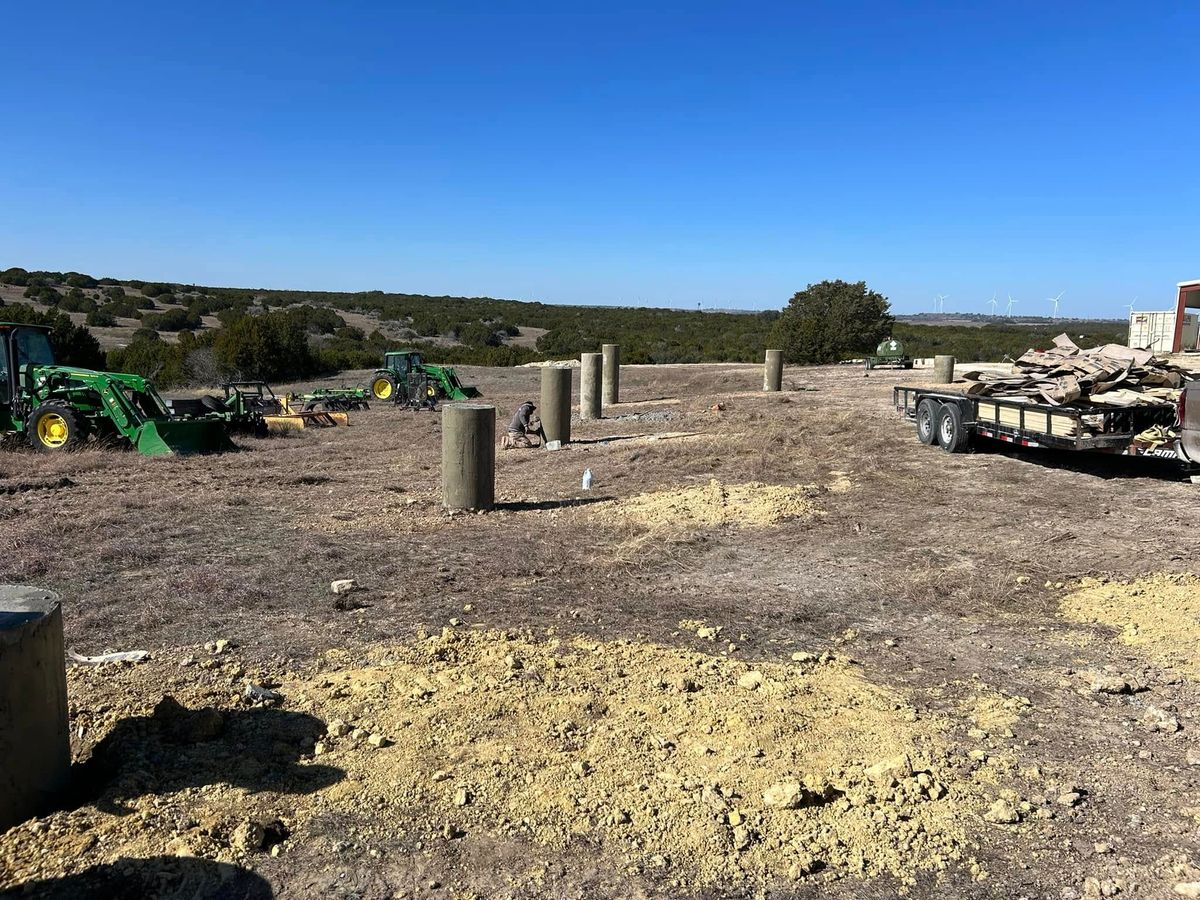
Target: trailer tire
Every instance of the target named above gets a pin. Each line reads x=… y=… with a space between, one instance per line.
x=952 y=434
x=54 y=427
x=927 y=419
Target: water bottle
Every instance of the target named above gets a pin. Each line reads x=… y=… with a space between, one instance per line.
x=587 y=479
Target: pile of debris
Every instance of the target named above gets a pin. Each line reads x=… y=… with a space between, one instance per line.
x=1111 y=375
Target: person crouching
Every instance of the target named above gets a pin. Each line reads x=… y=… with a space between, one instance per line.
x=523 y=428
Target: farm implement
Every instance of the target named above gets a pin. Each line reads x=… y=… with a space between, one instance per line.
x=58 y=408
x=405 y=379
x=332 y=399
x=251 y=407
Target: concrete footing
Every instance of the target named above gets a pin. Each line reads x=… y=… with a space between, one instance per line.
x=468 y=456
x=35 y=744
x=773 y=371
x=591 y=368
x=612 y=373
x=556 y=403
x=943 y=369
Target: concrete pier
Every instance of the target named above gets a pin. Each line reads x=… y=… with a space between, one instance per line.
x=468 y=456
x=591 y=369
x=612 y=373
x=773 y=371
x=943 y=369
x=556 y=403
x=35 y=744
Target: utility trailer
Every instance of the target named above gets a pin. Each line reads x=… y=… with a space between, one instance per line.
x=952 y=419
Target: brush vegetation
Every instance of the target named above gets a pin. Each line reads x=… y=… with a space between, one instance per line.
x=294 y=335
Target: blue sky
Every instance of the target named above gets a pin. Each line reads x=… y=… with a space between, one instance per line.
x=716 y=153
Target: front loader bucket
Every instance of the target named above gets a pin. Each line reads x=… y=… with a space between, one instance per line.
x=162 y=437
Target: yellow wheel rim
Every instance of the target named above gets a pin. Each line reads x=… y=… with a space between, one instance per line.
x=431 y=391
x=382 y=388
x=52 y=430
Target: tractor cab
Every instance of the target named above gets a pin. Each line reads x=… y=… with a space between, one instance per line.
x=21 y=346
x=402 y=362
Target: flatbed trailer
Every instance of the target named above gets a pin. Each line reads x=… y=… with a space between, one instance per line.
x=952 y=420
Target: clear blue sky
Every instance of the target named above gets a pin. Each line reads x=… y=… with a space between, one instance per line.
x=721 y=153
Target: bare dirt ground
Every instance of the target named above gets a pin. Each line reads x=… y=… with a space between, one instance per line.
x=780 y=649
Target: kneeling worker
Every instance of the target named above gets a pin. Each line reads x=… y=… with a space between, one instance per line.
x=523 y=425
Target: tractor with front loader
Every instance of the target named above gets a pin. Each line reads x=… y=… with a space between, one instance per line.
x=59 y=408
x=406 y=379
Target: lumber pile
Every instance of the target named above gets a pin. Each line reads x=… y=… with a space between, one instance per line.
x=1111 y=375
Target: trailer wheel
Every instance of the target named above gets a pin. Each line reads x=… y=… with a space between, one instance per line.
x=951 y=433
x=927 y=417
x=54 y=426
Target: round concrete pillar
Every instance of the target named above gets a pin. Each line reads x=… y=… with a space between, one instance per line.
x=612 y=373
x=468 y=456
x=556 y=403
x=773 y=371
x=35 y=743
x=591 y=369
x=943 y=369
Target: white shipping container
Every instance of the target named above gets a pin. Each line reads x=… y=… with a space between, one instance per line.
x=1156 y=330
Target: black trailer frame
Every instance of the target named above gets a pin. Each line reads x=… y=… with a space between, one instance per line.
x=1117 y=428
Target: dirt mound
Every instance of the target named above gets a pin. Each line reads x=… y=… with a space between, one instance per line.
x=714 y=504
x=691 y=768
x=1159 y=613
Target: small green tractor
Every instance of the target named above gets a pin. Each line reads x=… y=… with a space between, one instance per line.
x=889 y=354
x=58 y=408
x=407 y=380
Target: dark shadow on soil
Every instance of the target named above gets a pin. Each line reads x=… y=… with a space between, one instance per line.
x=176 y=747
x=1100 y=465
x=610 y=440
x=165 y=877
x=530 y=505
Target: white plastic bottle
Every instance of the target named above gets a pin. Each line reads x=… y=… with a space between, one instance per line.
x=587 y=479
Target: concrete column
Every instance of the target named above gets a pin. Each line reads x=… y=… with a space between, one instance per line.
x=943 y=369
x=590 y=380
x=468 y=456
x=612 y=373
x=35 y=743
x=556 y=403
x=773 y=371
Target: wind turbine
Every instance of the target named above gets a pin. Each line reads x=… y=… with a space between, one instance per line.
x=1055 y=300
x=992 y=303
x=941 y=302
x=1130 y=307
x=1008 y=309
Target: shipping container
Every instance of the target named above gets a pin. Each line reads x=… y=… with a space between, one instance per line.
x=1155 y=331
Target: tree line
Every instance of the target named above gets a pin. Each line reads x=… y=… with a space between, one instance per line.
x=296 y=335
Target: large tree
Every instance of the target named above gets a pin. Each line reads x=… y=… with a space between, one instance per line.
x=828 y=321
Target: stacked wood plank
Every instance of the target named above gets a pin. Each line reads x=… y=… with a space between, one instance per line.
x=1111 y=375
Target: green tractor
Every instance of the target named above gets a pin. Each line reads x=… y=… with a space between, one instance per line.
x=58 y=408
x=889 y=354
x=407 y=380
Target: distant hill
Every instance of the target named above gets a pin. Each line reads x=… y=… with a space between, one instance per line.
x=980 y=319
x=183 y=333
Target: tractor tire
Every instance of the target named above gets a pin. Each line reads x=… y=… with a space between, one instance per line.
x=383 y=387
x=212 y=404
x=55 y=426
x=927 y=419
x=952 y=434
